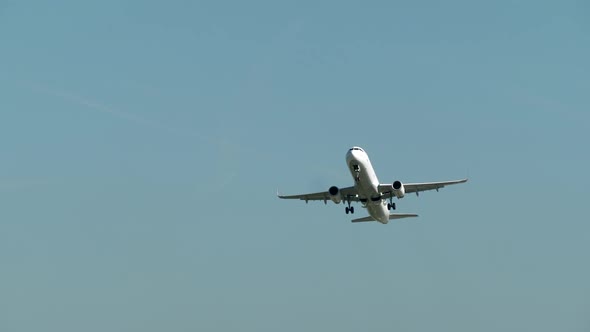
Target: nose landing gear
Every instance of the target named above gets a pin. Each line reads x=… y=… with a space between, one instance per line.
x=357 y=171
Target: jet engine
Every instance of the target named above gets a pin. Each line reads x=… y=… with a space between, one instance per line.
x=398 y=189
x=335 y=194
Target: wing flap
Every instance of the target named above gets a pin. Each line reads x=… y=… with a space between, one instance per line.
x=348 y=193
x=385 y=188
x=418 y=187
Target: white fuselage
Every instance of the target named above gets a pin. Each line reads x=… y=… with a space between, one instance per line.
x=367 y=184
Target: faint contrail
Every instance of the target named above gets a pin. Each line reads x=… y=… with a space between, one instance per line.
x=93 y=105
x=12 y=184
x=226 y=147
x=98 y=107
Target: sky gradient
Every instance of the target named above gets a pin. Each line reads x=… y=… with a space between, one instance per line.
x=142 y=144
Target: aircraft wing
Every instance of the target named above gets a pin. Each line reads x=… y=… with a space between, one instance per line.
x=348 y=193
x=418 y=187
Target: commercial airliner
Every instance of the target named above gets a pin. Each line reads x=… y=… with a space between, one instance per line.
x=376 y=197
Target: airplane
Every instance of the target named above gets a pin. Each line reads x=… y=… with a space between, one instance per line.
x=376 y=197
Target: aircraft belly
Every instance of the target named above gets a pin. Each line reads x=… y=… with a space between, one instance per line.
x=367 y=186
x=379 y=212
x=367 y=183
x=376 y=209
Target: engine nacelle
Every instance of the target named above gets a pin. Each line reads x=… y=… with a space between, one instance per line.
x=335 y=194
x=398 y=189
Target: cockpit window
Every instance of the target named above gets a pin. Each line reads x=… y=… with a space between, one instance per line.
x=357 y=149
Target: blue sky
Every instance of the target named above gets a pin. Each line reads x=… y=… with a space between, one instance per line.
x=142 y=144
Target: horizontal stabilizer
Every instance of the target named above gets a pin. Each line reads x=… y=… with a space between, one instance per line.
x=363 y=219
x=391 y=216
x=402 y=215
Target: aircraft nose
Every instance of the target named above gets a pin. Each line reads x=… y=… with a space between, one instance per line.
x=350 y=155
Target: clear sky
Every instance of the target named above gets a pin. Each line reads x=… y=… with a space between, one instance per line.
x=142 y=144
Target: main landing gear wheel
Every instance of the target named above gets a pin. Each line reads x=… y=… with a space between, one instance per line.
x=351 y=210
x=347 y=210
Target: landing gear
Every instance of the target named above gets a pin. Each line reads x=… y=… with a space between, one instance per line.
x=349 y=209
x=391 y=204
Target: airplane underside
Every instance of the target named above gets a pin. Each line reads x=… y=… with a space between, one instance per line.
x=375 y=197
